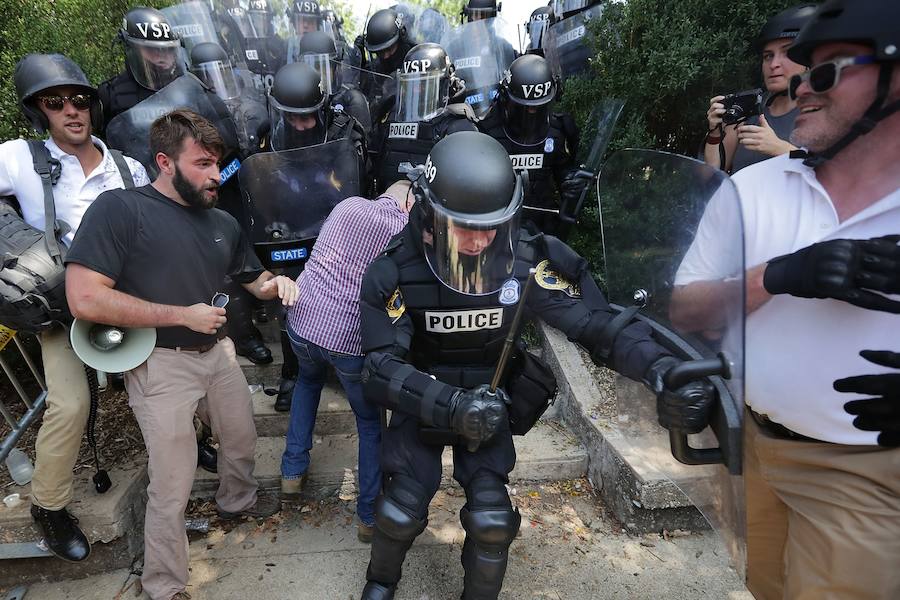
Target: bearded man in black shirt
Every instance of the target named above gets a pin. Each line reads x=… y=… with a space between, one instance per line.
x=154 y=256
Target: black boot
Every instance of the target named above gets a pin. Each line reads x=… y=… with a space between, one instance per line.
x=376 y=591
x=285 y=393
x=207 y=456
x=62 y=535
x=254 y=349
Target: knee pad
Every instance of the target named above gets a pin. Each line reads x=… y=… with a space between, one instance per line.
x=400 y=513
x=488 y=517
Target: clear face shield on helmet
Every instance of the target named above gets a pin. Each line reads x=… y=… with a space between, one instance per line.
x=260 y=24
x=473 y=254
x=220 y=77
x=421 y=96
x=296 y=127
x=154 y=65
x=304 y=23
x=536 y=31
x=525 y=124
x=328 y=68
x=478 y=14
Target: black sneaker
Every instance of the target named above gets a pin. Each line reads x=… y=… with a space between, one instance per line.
x=376 y=591
x=207 y=456
x=285 y=393
x=254 y=349
x=62 y=535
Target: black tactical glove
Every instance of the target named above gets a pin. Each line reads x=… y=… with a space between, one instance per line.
x=572 y=186
x=841 y=269
x=881 y=413
x=686 y=408
x=360 y=42
x=477 y=414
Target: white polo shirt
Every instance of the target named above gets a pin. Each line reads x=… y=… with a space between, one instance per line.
x=797 y=347
x=74 y=191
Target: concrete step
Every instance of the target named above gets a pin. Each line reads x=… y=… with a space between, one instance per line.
x=547 y=453
x=334 y=416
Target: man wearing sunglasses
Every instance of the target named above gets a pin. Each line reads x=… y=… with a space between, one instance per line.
x=822 y=228
x=766 y=135
x=57 y=98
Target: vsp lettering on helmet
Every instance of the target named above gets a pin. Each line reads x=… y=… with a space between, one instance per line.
x=159 y=31
x=416 y=66
x=536 y=91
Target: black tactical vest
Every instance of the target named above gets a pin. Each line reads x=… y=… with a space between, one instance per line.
x=119 y=94
x=540 y=160
x=458 y=338
x=411 y=142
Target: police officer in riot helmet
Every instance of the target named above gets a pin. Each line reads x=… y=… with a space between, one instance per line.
x=538 y=23
x=386 y=39
x=476 y=10
x=435 y=309
x=301 y=116
x=568 y=8
x=248 y=35
x=153 y=59
x=318 y=50
x=422 y=113
x=305 y=16
x=539 y=140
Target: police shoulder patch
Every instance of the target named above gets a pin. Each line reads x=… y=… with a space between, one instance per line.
x=549 y=145
x=550 y=279
x=395 y=306
x=509 y=293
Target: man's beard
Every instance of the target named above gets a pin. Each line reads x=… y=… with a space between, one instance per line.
x=195 y=197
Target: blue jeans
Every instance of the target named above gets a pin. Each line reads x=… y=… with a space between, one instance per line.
x=313 y=362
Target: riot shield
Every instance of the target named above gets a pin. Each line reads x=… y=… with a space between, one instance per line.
x=289 y=194
x=673 y=248
x=480 y=54
x=566 y=44
x=192 y=22
x=130 y=131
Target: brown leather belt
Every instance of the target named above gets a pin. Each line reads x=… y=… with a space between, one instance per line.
x=201 y=349
x=778 y=430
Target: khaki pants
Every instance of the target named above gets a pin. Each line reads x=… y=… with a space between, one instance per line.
x=164 y=393
x=823 y=520
x=59 y=438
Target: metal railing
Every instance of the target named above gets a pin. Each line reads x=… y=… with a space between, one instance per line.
x=33 y=406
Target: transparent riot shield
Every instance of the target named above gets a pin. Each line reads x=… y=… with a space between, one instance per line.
x=290 y=193
x=423 y=24
x=130 y=131
x=480 y=54
x=192 y=22
x=673 y=248
x=566 y=45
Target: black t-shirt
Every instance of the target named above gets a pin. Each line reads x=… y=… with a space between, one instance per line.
x=160 y=251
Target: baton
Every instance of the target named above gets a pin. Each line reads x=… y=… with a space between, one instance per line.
x=512 y=334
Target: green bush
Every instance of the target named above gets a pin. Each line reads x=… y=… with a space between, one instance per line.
x=666 y=60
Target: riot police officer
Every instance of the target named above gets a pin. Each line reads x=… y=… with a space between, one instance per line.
x=250 y=39
x=476 y=10
x=386 y=39
x=318 y=49
x=301 y=117
x=435 y=309
x=538 y=23
x=153 y=59
x=539 y=140
x=305 y=17
x=421 y=115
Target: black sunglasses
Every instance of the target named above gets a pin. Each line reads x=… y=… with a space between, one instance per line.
x=826 y=76
x=56 y=103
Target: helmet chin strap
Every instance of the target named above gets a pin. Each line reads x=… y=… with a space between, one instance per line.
x=875 y=113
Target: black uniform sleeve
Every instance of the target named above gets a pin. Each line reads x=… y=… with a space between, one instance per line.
x=104 y=237
x=573 y=303
x=106 y=103
x=245 y=266
x=386 y=330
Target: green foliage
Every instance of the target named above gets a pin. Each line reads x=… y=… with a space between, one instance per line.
x=665 y=60
x=449 y=8
x=83 y=30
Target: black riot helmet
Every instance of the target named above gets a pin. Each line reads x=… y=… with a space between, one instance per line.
x=210 y=63
x=475 y=10
x=538 y=23
x=383 y=30
x=38 y=72
x=260 y=14
x=296 y=95
x=152 y=48
x=527 y=93
x=318 y=50
x=305 y=16
x=872 y=22
x=785 y=25
x=468 y=204
x=423 y=84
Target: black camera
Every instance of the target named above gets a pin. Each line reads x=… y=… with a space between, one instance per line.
x=742 y=105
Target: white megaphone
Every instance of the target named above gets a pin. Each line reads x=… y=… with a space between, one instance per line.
x=111 y=349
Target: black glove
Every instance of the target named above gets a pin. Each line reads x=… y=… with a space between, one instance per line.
x=360 y=42
x=881 y=413
x=841 y=269
x=477 y=414
x=686 y=408
x=571 y=188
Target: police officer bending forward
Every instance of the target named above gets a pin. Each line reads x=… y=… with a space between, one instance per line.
x=435 y=308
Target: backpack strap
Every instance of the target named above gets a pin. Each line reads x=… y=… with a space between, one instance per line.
x=122 y=165
x=48 y=169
